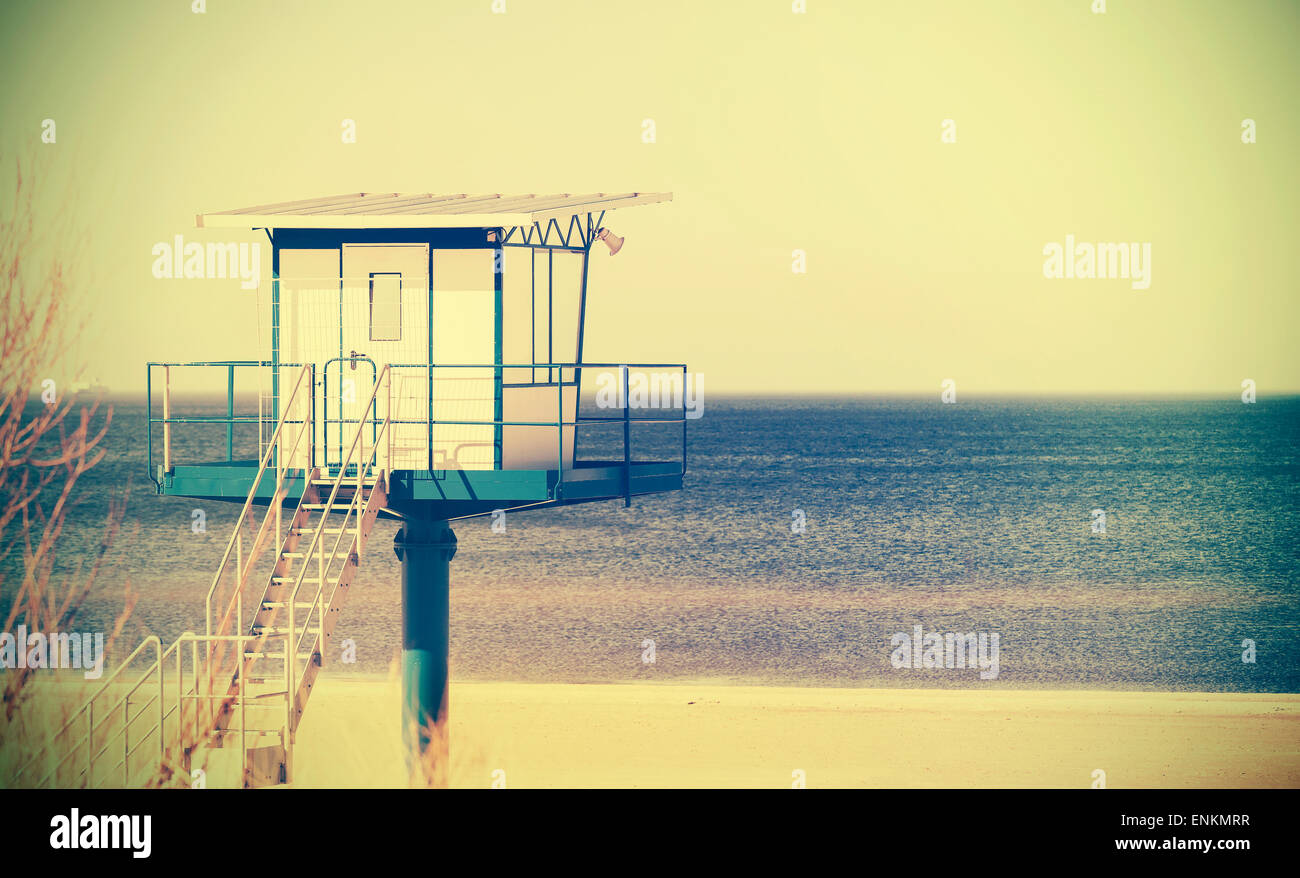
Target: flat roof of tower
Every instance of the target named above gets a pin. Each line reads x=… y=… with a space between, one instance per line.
x=393 y=210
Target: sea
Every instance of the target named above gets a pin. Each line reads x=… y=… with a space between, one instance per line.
x=1126 y=544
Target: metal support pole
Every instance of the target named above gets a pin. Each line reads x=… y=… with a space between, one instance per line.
x=425 y=548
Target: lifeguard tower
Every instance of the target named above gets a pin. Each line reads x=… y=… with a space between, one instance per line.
x=425 y=363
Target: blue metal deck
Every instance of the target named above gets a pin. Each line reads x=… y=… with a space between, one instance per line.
x=448 y=493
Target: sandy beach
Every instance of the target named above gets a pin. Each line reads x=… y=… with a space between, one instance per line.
x=719 y=735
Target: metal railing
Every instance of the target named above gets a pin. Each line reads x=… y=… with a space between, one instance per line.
x=211 y=679
x=114 y=739
x=269 y=404
x=362 y=467
x=217 y=692
x=421 y=415
x=280 y=453
x=564 y=422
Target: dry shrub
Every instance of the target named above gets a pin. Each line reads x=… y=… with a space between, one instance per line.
x=45 y=449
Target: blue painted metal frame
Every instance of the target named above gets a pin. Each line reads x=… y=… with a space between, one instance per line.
x=498 y=306
x=564 y=484
x=456 y=493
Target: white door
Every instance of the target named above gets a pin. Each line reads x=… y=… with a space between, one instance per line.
x=384 y=311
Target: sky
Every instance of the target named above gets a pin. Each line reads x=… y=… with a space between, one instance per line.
x=924 y=242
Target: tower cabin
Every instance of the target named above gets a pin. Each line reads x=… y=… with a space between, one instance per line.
x=425 y=363
x=464 y=317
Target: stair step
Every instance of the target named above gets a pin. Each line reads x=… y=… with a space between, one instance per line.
x=367 y=482
x=233 y=732
x=280 y=605
x=307 y=531
x=274 y=656
x=280 y=580
x=276 y=629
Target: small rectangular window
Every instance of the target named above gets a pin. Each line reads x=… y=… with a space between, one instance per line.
x=386 y=306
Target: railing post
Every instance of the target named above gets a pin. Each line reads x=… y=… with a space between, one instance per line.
x=291 y=651
x=320 y=564
x=90 y=744
x=559 y=434
x=278 y=500
x=167 y=414
x=428 y=422
x=243 y=720
x=162 y=708
x=180 y=690
x=627 y=441
x=239 y=567
x=261 y=414
x=126 y=740
x=288 y=713
x=148 y=417
x=311 y=421
x=684 y=377
x=230 y=412
x=194 y=671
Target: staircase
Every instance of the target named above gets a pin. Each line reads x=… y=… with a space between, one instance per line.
x=223 y=708
x=291 y=631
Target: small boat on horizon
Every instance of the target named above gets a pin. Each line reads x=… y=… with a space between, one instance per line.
x=94 y=387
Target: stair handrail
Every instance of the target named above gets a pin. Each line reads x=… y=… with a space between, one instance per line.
x=156 y=666
x=237 y=695
x=235 y=542
x=295 y=642
x=353 y=510
x=159 y=726
x=86 y=705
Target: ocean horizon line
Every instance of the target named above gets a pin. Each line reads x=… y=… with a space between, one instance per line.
x=138 y=396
